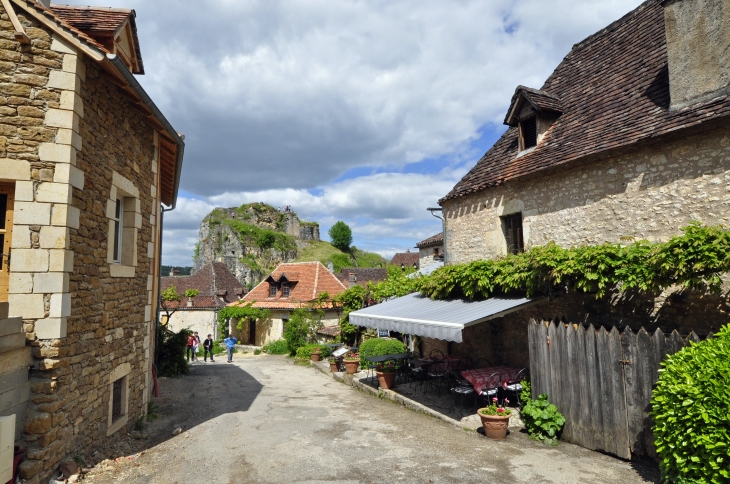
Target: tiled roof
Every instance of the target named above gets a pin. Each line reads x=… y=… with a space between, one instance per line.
x=363 y=275
x=199 y=302
x=99 y=22
x=437 y=239
x=212 y=279
x=541 y=100
x=313 y=280
x=614 y=91
x=407 y=258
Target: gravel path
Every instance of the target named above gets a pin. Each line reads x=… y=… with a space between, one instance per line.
x=264 y=420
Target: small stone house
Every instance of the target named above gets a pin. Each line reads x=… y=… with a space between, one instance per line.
x=629 y=136
x=217 y=288
x=291 y=286
x=361 y=276
x=87 y=162
x=406 y=259
x=430 y=250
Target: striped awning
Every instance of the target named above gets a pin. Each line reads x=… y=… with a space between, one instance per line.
x=421 y=316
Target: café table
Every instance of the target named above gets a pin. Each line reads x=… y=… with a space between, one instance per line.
x=481 y=378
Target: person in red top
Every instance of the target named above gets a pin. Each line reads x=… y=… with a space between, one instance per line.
x=191 y=346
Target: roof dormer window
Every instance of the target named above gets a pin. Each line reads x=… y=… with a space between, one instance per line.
x=528 y=133
x=273 y=289
x=533 y=112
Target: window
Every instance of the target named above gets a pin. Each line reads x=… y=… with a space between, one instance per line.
x=285 y=289
x=528 y=128
x=273 y=289
x=118 y=225
x=118 y=398
x=513 y=233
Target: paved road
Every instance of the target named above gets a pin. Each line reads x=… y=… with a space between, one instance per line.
x=264 y=420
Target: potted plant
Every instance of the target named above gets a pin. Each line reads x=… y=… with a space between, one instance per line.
x=315 y=354
x=334 y=367
x=386 y=374
x=352 y=361
x=495 y=419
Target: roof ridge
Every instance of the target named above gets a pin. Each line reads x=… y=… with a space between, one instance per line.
x=316 y=282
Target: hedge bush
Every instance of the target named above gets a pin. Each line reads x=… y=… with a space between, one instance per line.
x=305 y=351
x=278 y=347
x=542 y=420
x=691 y=409
x=379 y=347
x=171 y=360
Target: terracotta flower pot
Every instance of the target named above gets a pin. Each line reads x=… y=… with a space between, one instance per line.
x=495 y=426
x=315 y=356
x=334 y=368
x=351 y=366
x=386 y=379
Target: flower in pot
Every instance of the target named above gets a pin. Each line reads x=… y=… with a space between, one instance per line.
x=386 y=374
x=334 y=366
x=352 y=361
x=315 y=354
x=495 y=419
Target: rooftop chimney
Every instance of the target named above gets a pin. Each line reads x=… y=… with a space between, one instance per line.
x=698 y=50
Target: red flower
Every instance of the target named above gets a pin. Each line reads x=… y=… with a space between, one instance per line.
x=500 y=410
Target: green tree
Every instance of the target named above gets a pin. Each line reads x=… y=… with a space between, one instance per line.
x=341 y=235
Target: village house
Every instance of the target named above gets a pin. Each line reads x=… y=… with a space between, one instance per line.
x=87 y=161
x=431 y=250
x=361 y=276
x=216 y=287
x=406 y=259
x=291 y=286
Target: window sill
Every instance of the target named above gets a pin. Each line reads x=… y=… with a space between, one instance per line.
x=119 y=270
x=524 y=152
x=120 y=422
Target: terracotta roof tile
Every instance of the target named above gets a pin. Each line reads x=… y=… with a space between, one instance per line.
x=437 y=239
x=614 y=91
x=313 y=280
x=65 y=25
x=212 y=279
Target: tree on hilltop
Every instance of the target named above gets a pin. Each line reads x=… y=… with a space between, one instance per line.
x=341 y=235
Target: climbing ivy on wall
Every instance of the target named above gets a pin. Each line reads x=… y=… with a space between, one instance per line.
x=696 y=259
x=240 y=314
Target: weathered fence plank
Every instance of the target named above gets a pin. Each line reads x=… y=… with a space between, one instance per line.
x=632 y=376
x=648 y=371
x=594 y=383
x=574 y=382
x=619 y=395
x=585 y=438
x=535 y=374
x=554 y=363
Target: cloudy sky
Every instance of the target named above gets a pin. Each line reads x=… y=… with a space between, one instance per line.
x=366 y=111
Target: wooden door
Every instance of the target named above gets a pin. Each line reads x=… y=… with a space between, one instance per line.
x=252 y=331
x=7 y=199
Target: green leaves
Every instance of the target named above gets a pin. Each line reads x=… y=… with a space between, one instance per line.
x=695 y=259
x=379 y=347
x=691 y=409
x=542 y=420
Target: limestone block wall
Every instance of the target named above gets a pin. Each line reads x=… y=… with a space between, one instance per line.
x=426 y=257
x=203 y=321
x=650 y=194
x=72 y=143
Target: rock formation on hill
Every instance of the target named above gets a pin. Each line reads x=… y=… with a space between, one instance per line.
x=252 y=239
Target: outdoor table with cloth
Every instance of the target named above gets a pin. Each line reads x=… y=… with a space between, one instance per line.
x=481 y=381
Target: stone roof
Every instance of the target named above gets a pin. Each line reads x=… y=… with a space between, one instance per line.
x=363 y=275
x=100 y=23
x=199 y=302
x=613 y=90
x=437 y=239
x=213 y=280
x=540 y=100
x=408 y=258
x=312 y=280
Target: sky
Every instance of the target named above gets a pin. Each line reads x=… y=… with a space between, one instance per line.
x=365 y=111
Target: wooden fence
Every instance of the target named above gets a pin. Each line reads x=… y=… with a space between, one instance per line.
x=601 y=381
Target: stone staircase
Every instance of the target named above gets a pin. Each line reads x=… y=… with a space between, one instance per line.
x=15 y=359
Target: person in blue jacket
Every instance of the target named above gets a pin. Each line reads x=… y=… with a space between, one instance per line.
x=230 y=343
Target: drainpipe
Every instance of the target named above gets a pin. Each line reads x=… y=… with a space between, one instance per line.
x=443 y=225
x=159 y=283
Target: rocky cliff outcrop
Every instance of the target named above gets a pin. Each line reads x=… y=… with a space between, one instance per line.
x=251 y=240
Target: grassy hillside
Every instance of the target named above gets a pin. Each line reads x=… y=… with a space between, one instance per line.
x=326 y=252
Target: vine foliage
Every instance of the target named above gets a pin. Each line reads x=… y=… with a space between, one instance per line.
x=240 y=313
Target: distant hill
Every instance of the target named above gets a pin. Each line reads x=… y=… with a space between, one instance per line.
x=251 y=240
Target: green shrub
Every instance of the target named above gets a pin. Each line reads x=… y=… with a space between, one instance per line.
x=690 y=406
x=303 y=324
x=543 y=420
x=171 y=352
x=305 y=352
x=379 y=347
x=257 y=351
x=525 y=393
x=278 y=347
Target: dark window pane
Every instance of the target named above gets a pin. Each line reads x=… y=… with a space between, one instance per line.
x=2 y=248
x=529 y=132
x=3 y=209
x=285 y=289
x=272 y=290
x=116 y=241
x=117 y=400
x=513 y=233
x=118 y=209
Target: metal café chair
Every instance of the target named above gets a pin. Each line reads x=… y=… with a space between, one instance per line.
x=436 y=353
x=456 y=369
x=461 y=393
x=515 y=386
x=482 y=363
x=437 y=372
x=491 y=391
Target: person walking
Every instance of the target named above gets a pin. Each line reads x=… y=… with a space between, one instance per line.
x=196 y=345
x=208 y=347
x=230 y=345
x=189 y=347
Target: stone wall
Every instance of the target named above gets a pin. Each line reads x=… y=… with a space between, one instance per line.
x=426 y=255
x=272 y=329
x=204 y=321
x=72 y=142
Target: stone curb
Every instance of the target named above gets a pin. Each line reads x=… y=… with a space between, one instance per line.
x=342 y=377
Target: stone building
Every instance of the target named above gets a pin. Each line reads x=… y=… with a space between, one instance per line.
x=431 y=250
x=291 y=286
x=361 y=276
x=628 y=137
x=86 y=163
x=406 y=259
x=217 y=288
